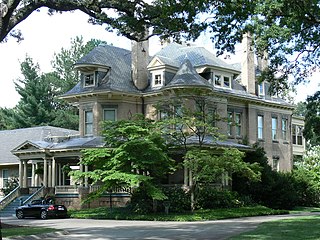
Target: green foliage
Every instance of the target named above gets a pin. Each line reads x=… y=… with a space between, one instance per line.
x=312 y=119
x=277 y=190
x=213 y=198
x=10 y=185
x=198 y=215
x=39 y=103
x=136 y=157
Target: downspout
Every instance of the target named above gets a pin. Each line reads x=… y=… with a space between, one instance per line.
x=142 y=107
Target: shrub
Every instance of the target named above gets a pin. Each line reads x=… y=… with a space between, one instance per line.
x=178 y=199
x=211 y=198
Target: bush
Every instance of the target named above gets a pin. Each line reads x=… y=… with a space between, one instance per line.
x=140 y=202
x=276 y=190
x=10 y=185
x=178 y=199
x=211 y=198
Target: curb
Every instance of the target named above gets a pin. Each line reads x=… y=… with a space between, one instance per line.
x=38 y=236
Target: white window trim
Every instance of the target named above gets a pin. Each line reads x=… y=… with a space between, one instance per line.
x=222 y=77
x=274 y=128
x=260 y=127
x=154 y=74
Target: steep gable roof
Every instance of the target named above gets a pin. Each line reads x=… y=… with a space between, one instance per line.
x=187 y=76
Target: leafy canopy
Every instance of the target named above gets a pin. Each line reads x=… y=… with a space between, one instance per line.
x=135 y=155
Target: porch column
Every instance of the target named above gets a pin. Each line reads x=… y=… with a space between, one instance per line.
x=81 y=170
x=25 y=176
x=190 y=178
x=21 y=173
x=33 y=175
x=53 y=172
x=49 y=173
x=86 y=169
x=59 y=174
x=37 y=175
x=45 y=172
x=63 y=178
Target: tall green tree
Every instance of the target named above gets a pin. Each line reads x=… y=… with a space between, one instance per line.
x=136 y=157
x=40 y=103
x=35 y=105
x=312 y=120
x=189 y=124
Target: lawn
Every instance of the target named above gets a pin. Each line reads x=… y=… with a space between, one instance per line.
x=199 y=215
x=289 y=229
x=14 y=230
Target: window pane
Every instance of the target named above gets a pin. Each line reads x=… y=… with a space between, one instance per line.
x=157 y=79
x=109 y=115
x=238 y=123
x=217 y=80
x=284 y=128
x=260 y=127
x=88 y=128
x=226 y=82
x=230 y=120
x=89 y=79
x=274 y=128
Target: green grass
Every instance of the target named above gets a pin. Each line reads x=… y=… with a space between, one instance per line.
x=297 y=228
x=305 y=209
x=23 y=231
x=199 y=215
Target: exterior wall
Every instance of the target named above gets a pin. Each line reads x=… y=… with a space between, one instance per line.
x=75 y=201
x=126 y=108
x=13 y=172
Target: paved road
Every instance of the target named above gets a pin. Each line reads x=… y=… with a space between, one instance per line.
x=109 y=229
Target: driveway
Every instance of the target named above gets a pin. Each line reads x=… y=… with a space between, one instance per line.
x=111 y=229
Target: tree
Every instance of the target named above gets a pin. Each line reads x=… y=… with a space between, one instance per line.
x=39 y=103
x=312 y=119
x=301 y=109
x=135 y=157
x=189 y=123
x=34 y=107
x=130 y=18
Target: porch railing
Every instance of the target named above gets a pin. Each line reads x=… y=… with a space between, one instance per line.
x=37 y=194
x=94 y=188
x=10 y=197
x=66 y=189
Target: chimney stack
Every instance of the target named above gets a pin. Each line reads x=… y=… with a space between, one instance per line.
x=139 y=63
x=247 y=64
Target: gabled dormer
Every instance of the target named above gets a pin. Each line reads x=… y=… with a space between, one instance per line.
x=161 y=72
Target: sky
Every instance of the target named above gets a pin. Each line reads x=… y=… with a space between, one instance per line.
x=45 y=35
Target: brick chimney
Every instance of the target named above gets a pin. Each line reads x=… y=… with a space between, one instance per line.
x=139 y=63
x=247 y=64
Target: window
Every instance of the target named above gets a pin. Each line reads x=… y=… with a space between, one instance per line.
x=217 y=80
x=226 y=82
x=284 y=128
x=110 y=114
x=88 y=79
x=299 y=135
x=88 y=122
x=5 y=177
x=261 y=91
x=230 y=120
x=274 y=128
x=157 y=80
x=276 y=164
x=260 y=127
x=234 y=124
x=238 y=124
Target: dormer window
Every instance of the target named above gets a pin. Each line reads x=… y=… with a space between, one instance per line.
x=157 y=79
x=222 y=81
x=261 y=91
x=89 y=79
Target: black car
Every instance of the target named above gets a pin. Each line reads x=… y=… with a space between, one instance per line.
x=41 y=209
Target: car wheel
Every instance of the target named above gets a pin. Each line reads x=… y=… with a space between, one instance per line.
x=43 y=214
x=19 y=214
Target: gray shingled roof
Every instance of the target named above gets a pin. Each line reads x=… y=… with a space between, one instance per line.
x=175 y=54
x=188 y=76
x=11 y=139
x=118 y=59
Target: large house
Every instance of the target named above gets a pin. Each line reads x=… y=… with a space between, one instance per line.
x=117 y=83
